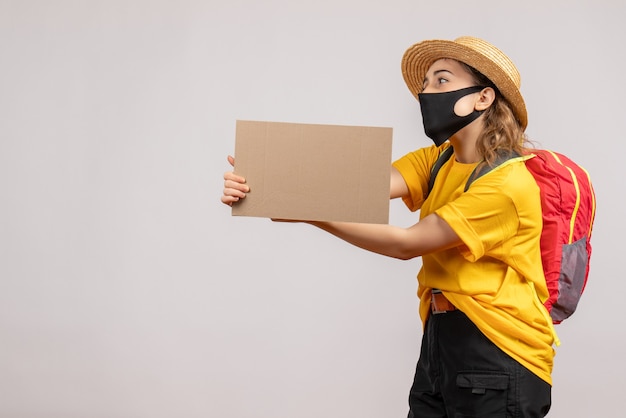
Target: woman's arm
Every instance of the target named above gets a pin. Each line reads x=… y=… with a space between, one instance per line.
x=429 y=235
x=398 y=187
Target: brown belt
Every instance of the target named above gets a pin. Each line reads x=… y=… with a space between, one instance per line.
x=439 y=303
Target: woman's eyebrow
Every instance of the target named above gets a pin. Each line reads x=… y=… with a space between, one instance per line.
x=437 y=72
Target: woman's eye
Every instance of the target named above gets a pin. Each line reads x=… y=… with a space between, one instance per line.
x=437 y=81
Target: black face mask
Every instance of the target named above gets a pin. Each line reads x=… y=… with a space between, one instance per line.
x=440 y=121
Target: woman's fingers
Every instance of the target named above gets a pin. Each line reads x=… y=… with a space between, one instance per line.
x=233 y=181
x=235 y=186
x=233 y=191
x=229 y=200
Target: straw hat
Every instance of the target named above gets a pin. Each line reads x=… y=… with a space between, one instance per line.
x=481 y=55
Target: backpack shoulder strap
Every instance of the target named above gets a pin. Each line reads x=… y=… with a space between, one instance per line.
x=482 y=169
x=479 y=171
x=443 y=157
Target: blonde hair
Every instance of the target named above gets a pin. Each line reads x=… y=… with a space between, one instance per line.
x=502 y=132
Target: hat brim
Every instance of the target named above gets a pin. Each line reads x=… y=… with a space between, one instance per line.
x=419 y=57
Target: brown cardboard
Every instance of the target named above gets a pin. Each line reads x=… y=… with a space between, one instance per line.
x=314 y=172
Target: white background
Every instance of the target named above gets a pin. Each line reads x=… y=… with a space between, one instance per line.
x=128 y=290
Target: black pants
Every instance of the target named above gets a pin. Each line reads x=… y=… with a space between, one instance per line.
x=461 y=374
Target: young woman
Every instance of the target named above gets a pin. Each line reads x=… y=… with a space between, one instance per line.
x=487 y=343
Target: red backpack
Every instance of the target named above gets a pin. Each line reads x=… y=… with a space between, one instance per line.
x=568 y=206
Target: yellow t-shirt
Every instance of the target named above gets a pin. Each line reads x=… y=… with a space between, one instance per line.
x=496 y=276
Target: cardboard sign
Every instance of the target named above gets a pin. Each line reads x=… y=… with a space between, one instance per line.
x=314 y=172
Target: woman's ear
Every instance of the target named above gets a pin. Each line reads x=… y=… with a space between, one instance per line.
x=486 y=98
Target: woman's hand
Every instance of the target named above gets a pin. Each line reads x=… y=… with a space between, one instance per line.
x=235 y=187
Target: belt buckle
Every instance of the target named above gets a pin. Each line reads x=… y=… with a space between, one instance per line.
x=439 y=303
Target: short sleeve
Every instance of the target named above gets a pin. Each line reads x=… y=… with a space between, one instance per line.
x=415 y=170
